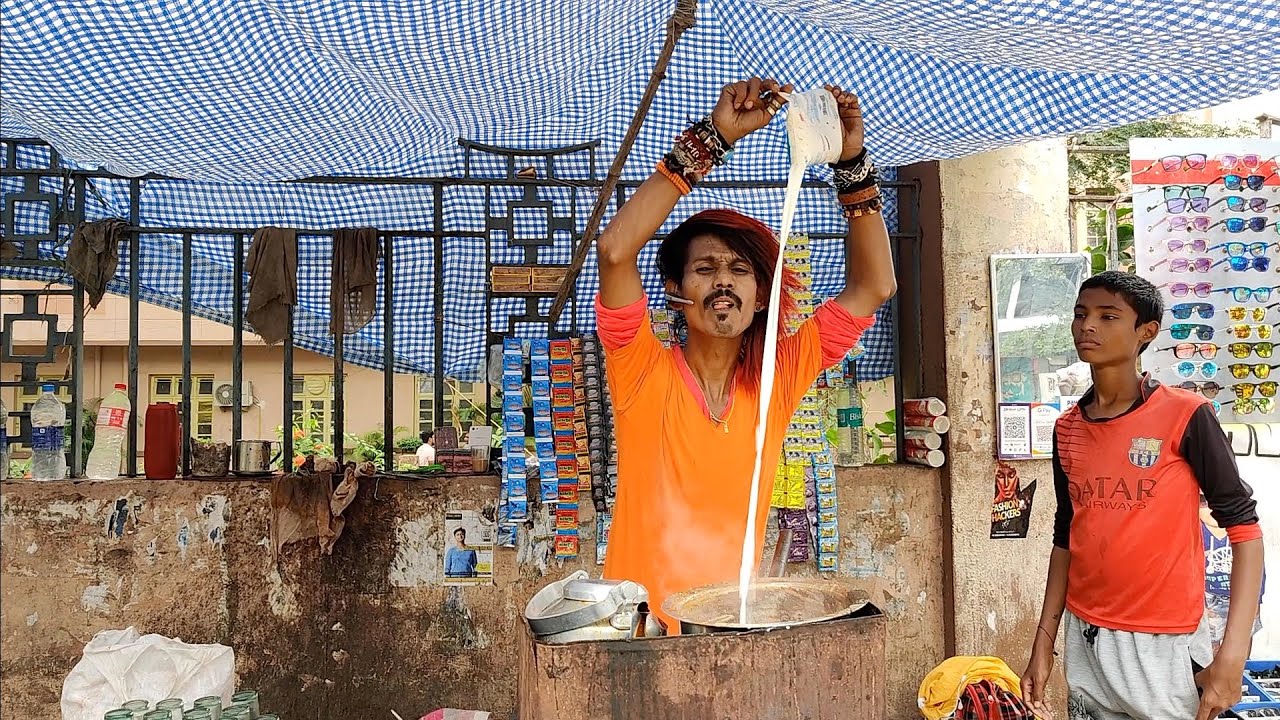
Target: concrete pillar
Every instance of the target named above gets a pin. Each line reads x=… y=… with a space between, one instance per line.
x=1009 y=201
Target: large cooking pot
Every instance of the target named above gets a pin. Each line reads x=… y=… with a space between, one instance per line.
x=772 y=603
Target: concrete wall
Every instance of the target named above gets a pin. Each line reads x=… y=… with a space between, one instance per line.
x=369 y=629
x=1008 y=201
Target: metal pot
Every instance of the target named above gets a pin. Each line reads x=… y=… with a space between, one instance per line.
x=254 y=457
x=772 y=603
x=579 y=608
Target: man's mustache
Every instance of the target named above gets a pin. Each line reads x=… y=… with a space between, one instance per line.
x=726 y=293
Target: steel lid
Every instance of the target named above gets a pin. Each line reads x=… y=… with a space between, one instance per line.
x=578 y=601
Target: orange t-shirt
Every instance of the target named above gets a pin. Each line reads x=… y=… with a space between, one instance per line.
x=683 y=478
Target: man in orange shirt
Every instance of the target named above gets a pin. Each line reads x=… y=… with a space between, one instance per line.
x=685 y=418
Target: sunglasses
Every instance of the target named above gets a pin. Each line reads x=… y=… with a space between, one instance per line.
x=1240 y=371
x=1208 y=389
x=1244 y=391
x=1183 y=222
x=1251 y=161
x=1188 y=369
x=1204 y=310
x=1238 y=203
x=1177 y=198
x=1174 y=163
x=1238 y=225
x=1183 y=290
x=1199 y=245
x=1186 y=351
x=1262 y=406
x=1244 y=332
x=1242 y=294
x=1182 y=331
x=1242 y=350
x=1182 y=265
x=1238 y=249
x=1240 y=182
x=1239 y=313
x=1244 y=264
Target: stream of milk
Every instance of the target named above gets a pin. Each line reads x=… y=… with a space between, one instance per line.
x=813 y=129
x=768 y=368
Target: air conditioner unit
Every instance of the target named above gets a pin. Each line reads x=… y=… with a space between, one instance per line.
x=222 y=394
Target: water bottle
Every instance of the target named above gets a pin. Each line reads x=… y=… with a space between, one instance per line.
x=109 y=435
x=4 y=441
x=48 y=430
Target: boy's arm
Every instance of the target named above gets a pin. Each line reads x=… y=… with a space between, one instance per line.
x=1036 y=676
x=1207 y=451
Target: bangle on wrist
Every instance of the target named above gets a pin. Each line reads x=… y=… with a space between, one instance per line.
x=696 y=151
x=674 y=176
x=856 y=173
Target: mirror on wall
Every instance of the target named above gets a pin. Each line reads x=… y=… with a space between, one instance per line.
x=1032 y=297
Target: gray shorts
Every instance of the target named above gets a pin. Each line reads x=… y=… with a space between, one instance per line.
x=1117 y=675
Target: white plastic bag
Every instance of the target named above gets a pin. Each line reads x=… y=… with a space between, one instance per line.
x=814 y=129
x=120 y=665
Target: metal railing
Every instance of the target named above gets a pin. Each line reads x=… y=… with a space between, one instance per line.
x=68 y=210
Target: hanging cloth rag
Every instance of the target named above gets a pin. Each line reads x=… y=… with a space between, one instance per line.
x=304 y=506
x=942 y=688
x=95 y=254
x=353 y=289
x=273 y=282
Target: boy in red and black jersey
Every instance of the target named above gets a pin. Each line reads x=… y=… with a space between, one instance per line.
x=1127 y=569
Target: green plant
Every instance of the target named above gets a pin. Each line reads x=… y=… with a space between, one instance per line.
x=408 y=444
x=1099 y=254
x=368 y=447
x=1107 y=174
x=305 y=440
x=19 y=469
x=888 y=428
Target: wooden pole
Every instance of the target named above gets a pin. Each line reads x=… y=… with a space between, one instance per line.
x=682 y=19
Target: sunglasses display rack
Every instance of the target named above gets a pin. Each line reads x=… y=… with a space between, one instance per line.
x=1206 y=216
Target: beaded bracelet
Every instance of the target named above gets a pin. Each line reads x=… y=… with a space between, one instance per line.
x=696 y=151
x=857 y=186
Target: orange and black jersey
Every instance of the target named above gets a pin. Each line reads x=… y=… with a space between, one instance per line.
x=1128 y=491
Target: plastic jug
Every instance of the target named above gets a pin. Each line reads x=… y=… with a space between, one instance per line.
x=163 y=439
x=813 y=127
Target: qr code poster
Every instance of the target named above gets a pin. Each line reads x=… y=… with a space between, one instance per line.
x=468 y=551
x=1026 y=430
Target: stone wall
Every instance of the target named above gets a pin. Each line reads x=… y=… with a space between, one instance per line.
x=370 y=628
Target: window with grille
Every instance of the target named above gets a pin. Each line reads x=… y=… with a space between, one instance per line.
x=168 y=389
x=461 y=400
x=313 y=405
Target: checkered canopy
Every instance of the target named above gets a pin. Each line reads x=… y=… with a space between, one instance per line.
x=232 y=95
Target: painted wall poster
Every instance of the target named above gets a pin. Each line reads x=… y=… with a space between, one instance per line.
x=468 y=552
x=1011 y=507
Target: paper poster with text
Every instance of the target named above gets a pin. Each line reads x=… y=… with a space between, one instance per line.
x=468 y=551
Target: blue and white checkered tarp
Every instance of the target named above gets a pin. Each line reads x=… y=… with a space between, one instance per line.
x=252 y=92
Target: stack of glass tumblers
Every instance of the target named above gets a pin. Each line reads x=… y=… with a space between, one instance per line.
x=244 y=706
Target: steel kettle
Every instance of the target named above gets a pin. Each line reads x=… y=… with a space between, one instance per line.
x=255 y=457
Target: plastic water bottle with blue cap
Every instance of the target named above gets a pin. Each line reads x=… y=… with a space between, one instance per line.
x=48 y=437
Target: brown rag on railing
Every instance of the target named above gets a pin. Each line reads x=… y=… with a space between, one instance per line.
x=273 y=282
x=303 y=506
x=353 y=288
x=94 y=255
